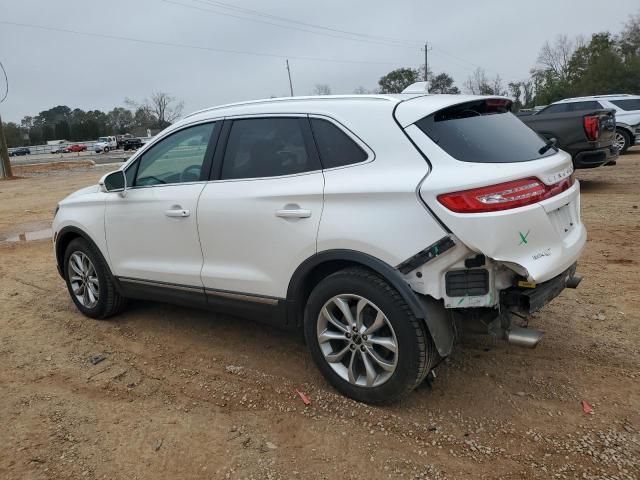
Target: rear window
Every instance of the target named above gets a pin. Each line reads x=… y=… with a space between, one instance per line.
x=483 y=131
x=630 y=104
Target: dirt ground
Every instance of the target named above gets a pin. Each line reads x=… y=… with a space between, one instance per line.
x=190 y=394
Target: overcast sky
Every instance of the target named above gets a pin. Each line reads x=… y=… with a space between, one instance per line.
x=48 y=68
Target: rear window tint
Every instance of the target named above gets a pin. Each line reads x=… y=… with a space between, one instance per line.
x=558 y=108
x=588 y=105
x=630 y=104
x=483 y=131
x=335 y=147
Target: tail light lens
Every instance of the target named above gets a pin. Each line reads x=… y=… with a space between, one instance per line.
x=503 y=196
x=592 y=127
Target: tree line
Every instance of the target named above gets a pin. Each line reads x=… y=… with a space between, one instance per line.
x=605 y=63
x=63 y=123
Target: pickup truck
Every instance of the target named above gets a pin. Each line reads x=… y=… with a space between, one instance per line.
x=587 y=135
x=131 y=143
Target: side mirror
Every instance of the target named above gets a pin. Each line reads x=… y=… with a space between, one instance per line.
x=114 y=182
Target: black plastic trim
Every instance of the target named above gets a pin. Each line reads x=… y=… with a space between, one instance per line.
x=426 y=255
x=393 y=276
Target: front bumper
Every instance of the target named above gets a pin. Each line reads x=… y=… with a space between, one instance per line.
x=595 y=158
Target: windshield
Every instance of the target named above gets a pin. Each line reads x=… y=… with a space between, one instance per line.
x=483 y=131
x=103 y=139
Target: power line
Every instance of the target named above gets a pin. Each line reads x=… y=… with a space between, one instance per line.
x=193 y=47
x=6 y=81
x=259 y=13
x=287 y=27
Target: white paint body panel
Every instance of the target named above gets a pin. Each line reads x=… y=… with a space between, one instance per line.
x=246 y=247
x=143 y=242
x=548 y=250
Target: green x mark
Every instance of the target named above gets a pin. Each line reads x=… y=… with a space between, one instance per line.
x=523 y=237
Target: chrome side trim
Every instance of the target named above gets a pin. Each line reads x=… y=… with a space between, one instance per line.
x=151 y=283
x=242 y=296
x=246 y=297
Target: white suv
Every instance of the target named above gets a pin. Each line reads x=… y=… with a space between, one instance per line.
x=376 y=223
x=627 y=109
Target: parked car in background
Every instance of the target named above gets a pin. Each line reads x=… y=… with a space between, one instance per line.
x=76 y=147
x=627 y=108
x=583 y=129
x=17 y=152
x=131 y=143
x=105 y=144
x=59 y=149
x=370 y=222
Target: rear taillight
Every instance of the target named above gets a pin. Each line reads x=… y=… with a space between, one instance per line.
x=503 y=196
x=592 y=127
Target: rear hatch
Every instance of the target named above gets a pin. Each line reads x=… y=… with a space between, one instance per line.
x=495 y=184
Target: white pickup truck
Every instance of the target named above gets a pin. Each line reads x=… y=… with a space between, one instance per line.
x=104 y=144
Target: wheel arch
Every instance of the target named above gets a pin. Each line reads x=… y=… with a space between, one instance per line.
x=315 y=268
x=64 y=237
x=629 y=131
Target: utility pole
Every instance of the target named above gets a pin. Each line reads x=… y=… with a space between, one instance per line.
x=289 y=73
x=426 y=64
x=5 y=163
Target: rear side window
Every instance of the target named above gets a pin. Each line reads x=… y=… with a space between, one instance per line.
x=335 y=147
x=630 y=104
x=483 y=131
x=266 y=147
x=587 y=105
x=558 y=108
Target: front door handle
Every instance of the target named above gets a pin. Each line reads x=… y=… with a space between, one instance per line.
x=293 y=213
x=177 y=212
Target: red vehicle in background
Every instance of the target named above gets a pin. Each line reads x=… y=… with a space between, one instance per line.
x=76 y=148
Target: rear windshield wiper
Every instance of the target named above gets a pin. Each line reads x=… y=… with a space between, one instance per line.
x=549 y=144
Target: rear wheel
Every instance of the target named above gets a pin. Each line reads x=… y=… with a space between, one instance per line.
x=89 y=281
x=365 y=339
x=622 y=140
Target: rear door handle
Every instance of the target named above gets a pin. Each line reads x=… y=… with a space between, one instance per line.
x=293 y=213
x=177 y=212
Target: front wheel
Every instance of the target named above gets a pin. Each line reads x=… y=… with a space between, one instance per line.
x=365 y=339
x=89 y=281
x=105 y=149
x=622 y=140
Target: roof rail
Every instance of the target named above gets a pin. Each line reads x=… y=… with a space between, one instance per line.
x=294 y=99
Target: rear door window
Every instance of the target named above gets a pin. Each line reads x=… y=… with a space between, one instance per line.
x=586 y=105
x=627 y=105
x=483 y=131
x=335 y=147
x=266 y=147
x=557 y=108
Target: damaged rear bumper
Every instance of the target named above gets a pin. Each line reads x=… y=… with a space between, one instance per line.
x=529 y=300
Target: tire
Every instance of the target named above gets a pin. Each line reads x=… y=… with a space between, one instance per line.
x=397 y=325
x=101 y=299
x=105 y=149
x=622 y=140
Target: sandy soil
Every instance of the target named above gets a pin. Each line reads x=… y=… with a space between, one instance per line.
x=190 y=394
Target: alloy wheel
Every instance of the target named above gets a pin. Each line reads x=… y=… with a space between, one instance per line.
x=619 y=141
x=357 y=340
x=83 y=280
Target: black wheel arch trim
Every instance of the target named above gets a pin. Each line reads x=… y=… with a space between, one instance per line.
x=385 y=270
x=436 y=320
x=84 y=235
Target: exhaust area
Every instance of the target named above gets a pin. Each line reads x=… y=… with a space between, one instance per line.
x=524 y=337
